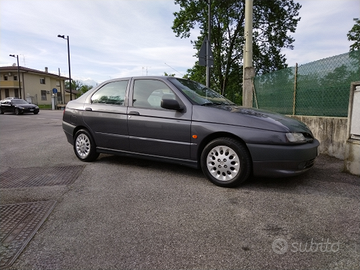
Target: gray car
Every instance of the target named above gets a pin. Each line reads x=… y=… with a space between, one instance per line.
x=181 y=121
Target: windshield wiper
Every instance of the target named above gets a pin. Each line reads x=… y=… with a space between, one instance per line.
x=208 y=104
x=216 y=103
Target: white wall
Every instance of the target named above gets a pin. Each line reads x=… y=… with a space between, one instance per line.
x=330 y=131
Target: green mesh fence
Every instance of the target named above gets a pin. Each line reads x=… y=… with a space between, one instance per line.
x=319 y=88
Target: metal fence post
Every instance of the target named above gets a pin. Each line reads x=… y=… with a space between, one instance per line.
x=295 y=87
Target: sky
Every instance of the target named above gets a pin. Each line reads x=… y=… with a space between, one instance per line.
x=119 y=38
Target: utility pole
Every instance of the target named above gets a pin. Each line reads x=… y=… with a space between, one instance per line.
x=248 y=69
x=68 y=49
x=18 y=71
x=205 y=53
x=208 y=47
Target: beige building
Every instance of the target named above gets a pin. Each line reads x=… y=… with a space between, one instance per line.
x=36 y=86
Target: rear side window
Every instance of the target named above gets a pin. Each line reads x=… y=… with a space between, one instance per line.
x=111 y=93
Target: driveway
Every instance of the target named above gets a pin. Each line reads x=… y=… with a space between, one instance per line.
x=121 y=213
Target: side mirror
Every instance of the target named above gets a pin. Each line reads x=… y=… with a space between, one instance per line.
x=171 y=104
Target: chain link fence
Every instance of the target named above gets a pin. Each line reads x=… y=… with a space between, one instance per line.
x=319 y=88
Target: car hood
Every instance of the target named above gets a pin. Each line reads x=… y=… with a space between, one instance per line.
x=248 y=117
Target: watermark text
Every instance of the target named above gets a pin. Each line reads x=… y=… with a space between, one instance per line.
x=281 y=246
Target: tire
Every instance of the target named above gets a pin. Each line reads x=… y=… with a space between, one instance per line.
x=1 y=111
x=226 y=162
x=36 y=112
x=17 y=111
x=84 y=146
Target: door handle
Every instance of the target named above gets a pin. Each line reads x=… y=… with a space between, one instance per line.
x=134 y=113
x=88 y=109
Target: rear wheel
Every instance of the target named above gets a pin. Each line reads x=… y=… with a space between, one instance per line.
x=1 y=111
x=84 y=146
x=226 y=162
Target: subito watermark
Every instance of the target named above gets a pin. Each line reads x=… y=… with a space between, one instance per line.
x=281 y=246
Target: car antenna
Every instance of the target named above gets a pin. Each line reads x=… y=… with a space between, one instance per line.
x=174 y=69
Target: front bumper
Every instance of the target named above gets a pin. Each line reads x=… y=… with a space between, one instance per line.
x=283 y=160
x=29 y=110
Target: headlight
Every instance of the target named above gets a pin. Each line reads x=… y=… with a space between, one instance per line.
x=21 y=108
x=295 y=137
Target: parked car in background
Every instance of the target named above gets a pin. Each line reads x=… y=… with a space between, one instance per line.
x=18 y=106
x=5 y=99
x=181 y=121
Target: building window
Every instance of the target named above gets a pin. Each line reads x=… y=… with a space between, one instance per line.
x=43 y=95
x=15 y=78
x=6 y=92
x=5 y=77
x=16 y=91
x=42 y=80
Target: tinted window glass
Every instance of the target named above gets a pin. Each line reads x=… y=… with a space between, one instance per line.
x=19 y=101
x=111 y=93
x=149 y=93
x=200 y=94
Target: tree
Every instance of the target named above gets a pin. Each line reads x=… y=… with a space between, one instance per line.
x=78 y=86
x=75 y=85
x=273 y=20
x=169 y=74
x=84 y=88
x=354 y=35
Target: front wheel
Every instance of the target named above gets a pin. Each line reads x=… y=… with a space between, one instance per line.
x=226 y=162
x=17 y=111
x=84 y=146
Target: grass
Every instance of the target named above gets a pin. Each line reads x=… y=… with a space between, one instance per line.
x=45 y=106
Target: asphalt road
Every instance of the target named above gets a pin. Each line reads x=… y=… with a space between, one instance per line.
x=123 y=213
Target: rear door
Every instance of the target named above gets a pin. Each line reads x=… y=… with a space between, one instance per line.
x=105 y=116
x=154 y=130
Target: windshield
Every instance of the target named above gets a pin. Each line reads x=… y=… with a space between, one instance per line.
x=200 y=94
x=19 y=101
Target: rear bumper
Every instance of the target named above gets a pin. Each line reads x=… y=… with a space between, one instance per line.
x=69 y=131
x=281 y=160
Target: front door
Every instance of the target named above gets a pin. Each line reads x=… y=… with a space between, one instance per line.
x=154 y=130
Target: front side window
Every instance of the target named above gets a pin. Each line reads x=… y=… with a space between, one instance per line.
x=111 y=93
x=149 y=93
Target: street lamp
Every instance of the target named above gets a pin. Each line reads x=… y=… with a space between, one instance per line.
x=18 y=70
x=68 y=47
